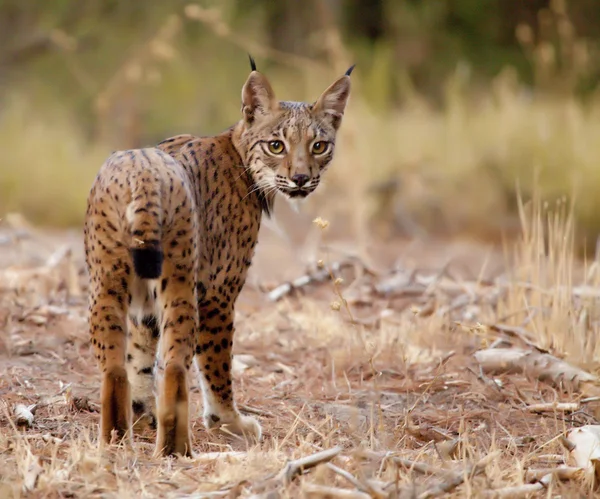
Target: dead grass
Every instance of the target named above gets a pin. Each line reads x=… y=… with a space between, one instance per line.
x=381 y=364
x=47 y=164
x=412 y=165
x=391 y=379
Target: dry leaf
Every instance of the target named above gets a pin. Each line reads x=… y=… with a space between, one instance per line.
x=586 y=448
x=242 y=362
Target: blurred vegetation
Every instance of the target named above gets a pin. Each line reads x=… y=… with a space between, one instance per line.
x=454 y=102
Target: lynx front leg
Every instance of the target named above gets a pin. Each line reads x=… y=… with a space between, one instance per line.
x=214 y=360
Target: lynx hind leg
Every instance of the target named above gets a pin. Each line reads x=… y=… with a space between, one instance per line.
x=108 y=296
x=177 y=300
x=214 y=357
x=141 y=358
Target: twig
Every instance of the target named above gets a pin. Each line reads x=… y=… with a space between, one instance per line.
x=299 y=466
x=517 y=332
x=564 y=473
x=315 y=490
x=459 y=478
x=520 y=490
x=548 y=458
x=554 y=407
x=311 y=277
x=293 y=469
x=347 y=475
x=424 y=469
x=588 y=400
x=354 y=481
x=255 y=410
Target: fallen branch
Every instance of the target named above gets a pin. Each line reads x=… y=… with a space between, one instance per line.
x=294 y=469
x=548 y=458
x=424 y=469
x=458 y=478
x=255 y=410
x=311 y=277
x=554 y=407
x=452 y=478
x=299 y=466
x=542 y=366
x=563 y=473
x=354 y=481
x=517 y=332
x=368 y=488
x=589 y=400
x=519 y=490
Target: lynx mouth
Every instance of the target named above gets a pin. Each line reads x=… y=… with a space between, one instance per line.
x=297 y=193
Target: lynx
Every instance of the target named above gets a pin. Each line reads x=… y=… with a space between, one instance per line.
x=169 y=235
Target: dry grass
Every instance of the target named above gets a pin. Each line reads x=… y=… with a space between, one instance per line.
x=380 y=364
x=411 y=165
x=390 y=377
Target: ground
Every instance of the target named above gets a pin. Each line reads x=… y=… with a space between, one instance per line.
x=379 y=363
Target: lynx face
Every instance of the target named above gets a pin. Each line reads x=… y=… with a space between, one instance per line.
x=289 y=145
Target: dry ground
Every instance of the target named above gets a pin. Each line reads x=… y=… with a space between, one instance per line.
x=380 y=365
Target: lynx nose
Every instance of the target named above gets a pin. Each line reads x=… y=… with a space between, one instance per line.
x=300 y=179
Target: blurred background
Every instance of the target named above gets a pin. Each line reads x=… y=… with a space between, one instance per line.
x=458 y=106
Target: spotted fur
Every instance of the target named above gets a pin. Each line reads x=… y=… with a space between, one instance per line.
x=170 y=233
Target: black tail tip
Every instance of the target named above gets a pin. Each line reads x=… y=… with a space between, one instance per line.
x=147 y=262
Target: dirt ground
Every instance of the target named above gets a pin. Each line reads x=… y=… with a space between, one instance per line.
x=377 y=369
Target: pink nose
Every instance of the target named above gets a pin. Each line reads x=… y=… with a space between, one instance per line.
x=300 y=179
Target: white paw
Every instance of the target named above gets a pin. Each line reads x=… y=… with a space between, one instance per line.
x=237 y=424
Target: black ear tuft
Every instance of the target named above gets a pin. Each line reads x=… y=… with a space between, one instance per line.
x=252 y=63
x=349 y=72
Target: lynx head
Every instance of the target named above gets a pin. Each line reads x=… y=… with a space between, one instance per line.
x=289 y=145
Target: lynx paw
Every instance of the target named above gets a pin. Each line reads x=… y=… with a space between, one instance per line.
x=144 y=414
x=237 y=424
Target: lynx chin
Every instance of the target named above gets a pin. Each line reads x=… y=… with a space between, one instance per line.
x=170 y=232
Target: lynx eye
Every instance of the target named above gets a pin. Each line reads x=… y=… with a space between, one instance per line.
x=276 y=146
x=319 y=147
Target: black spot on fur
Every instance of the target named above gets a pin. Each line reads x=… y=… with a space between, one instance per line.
x=138 y=407
x=152 y=324
x=147 y=262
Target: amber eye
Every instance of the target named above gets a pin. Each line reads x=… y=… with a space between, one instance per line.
x=276 y=146
x=319 y=147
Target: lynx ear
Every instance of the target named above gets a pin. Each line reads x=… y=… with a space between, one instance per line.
x=258 y=97
x=333 y=101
